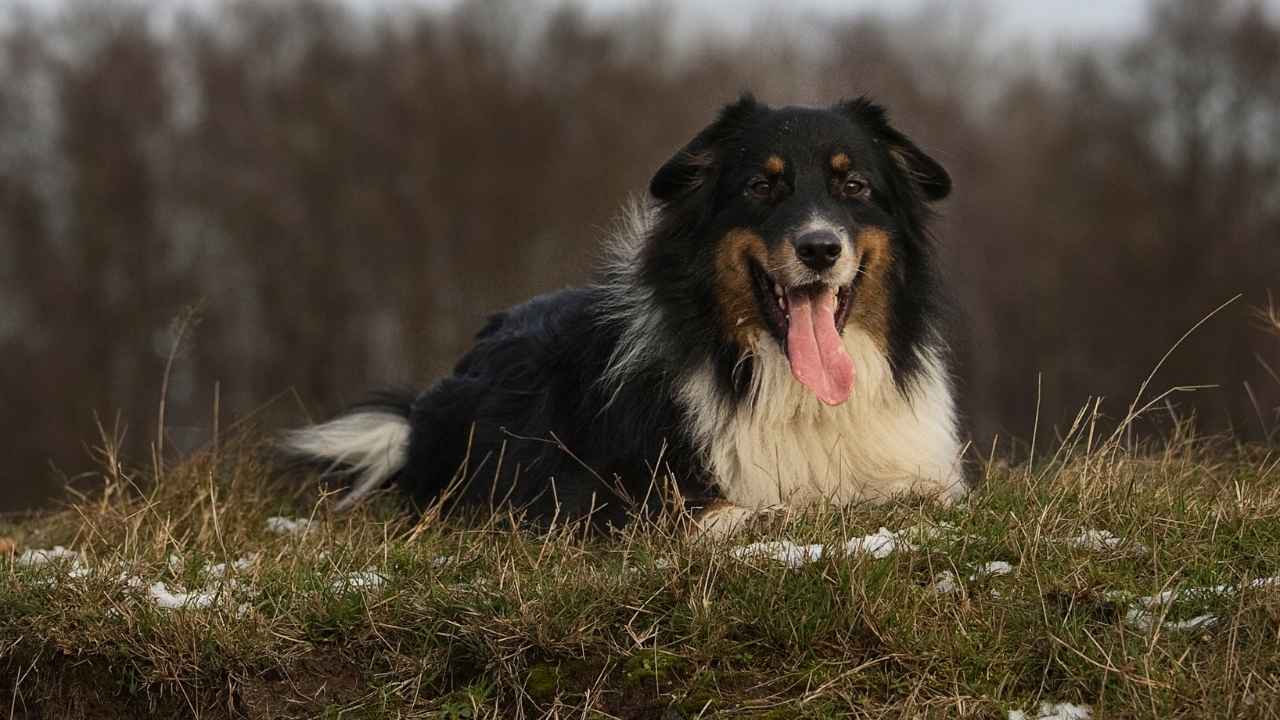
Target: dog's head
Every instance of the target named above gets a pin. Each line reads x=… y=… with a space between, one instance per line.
x=808 y=220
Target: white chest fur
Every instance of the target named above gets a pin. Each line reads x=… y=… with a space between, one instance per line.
x=786 y=447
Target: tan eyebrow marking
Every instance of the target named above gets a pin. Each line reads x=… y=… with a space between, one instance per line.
x=774 y=165
x=840 y=162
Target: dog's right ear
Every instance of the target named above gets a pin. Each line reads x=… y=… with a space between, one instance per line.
x=694 y=164
x=927 y=175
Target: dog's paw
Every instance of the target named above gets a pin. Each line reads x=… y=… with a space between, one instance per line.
x=722 y=519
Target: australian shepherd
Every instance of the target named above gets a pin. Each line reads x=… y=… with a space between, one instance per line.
x=766 y=333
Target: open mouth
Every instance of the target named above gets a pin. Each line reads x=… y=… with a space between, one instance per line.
x=807 y=322
x=771 y=297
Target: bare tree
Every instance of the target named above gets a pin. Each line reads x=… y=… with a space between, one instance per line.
x=349 y=195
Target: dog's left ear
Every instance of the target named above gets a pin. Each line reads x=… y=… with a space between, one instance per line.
x=691 y=167
x=925 y=173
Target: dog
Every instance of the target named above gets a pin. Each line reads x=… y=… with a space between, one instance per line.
x=767 y=332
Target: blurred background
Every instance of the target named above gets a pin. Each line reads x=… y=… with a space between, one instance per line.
x=342 y=190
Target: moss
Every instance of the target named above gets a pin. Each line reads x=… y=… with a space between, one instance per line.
x=542 y=681
x=699 y=703
x=656 y=667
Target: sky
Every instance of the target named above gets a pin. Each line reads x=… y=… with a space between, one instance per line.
x=1041 y=22
x=1037 y=20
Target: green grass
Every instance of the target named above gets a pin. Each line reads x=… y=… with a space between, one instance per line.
x=651 y=623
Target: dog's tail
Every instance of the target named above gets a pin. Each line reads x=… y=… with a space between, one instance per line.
x=369 y=443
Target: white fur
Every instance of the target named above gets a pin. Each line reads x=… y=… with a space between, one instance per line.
x=626 y=299
x=372 y=445
x=725 y=519
x=794 y=273
x=783 y=446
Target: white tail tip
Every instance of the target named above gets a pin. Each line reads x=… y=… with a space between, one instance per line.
x=370 y=445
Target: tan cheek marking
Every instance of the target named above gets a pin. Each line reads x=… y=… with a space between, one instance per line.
x=738 y=313
x=871 y=300
x=782 y=261
x=840 y=162
x=774 y=165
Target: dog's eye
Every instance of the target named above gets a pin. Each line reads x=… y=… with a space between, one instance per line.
x=760 y=189
x=856 y=187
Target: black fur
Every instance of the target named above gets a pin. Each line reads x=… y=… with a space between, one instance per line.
x=525 y=422
x=529 y=420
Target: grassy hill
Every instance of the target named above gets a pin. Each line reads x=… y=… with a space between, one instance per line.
x=177 y=596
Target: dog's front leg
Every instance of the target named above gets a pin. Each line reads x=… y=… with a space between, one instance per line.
x=720 y=519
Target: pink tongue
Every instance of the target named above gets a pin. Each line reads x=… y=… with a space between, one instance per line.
x=818 y=359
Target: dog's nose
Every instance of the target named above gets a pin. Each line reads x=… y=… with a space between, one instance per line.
x=818 y=249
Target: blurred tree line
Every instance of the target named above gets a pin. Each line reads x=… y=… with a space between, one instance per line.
x=345 y=195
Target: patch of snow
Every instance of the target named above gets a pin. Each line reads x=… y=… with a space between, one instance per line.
x=884 y=542
x=995 y=567
x=1145 y=620
x=57 y=552
x=1142 y=611
x=165 y=598
x=880 y=544
x=244 y=563
x=1101 y=540
x=287 y=526
x=219 y=584
x=1064 y=711
x=945 y=582
x=133 y=582
x=74 y=561
x=363 y=580
x=925 y=533
x=1096 y=540
x=784 y=551
x=1056 y=711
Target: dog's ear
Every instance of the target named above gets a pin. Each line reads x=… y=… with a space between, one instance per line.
x=926 y=174
x=695 y=163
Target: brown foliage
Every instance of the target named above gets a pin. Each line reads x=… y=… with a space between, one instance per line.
x=347 y=196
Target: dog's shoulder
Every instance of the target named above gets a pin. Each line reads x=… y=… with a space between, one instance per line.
x=540 y=332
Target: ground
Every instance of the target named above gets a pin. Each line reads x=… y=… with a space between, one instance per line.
x=1028 y=597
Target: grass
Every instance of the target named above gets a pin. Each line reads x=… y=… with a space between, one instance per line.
x=476 y=622
x=373 y=614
